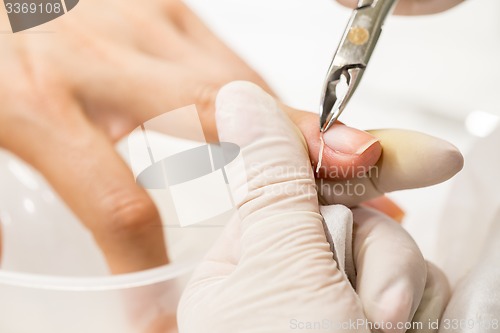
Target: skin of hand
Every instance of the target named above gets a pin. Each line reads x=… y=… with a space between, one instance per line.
x=76 y=85
x=272 y=268
x=414 y=7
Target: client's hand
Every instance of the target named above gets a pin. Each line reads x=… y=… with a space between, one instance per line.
x=272 y=270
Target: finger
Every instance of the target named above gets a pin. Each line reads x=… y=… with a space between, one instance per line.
x=164 y=38
x=386 y=206
x=157 y=87
x=192 y=27
x=409 y=160
x=272 y=151
x=127 y=85
x=83 y=167
x=273 y=184
x=436 y=296
x=347 y=151
x=194 y=30
x=391 y=272
x=192 y=74
x=282 y=242
x=169 y=34
x=414 y=7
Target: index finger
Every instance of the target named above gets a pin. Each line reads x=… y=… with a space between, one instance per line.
x=391 y=272
x=80 y=162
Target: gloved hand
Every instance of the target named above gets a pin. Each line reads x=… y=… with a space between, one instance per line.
x=273 y=270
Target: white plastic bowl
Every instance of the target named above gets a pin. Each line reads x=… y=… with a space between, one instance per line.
x=53 y=277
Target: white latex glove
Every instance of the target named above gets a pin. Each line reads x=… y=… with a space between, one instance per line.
x=272 y=270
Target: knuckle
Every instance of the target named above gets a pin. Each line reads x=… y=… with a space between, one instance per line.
x=205 y=97
x=174 y=9
x=128 y=211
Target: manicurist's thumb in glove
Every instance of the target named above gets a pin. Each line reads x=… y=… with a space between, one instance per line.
x=273 y=269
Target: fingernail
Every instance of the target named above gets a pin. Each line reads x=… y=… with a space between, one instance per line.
x=347 y=140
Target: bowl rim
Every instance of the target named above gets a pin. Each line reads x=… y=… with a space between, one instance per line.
x=97 y=283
